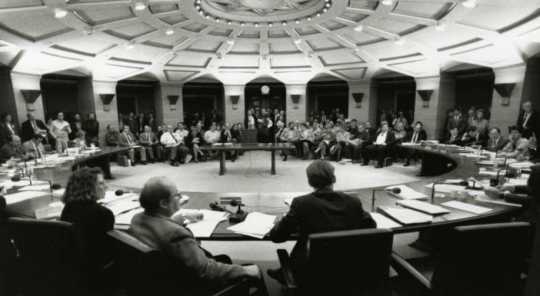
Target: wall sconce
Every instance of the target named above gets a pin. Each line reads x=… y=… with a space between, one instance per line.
x=30 y=96
x=425 y=95
x=173 y=99
x=106 y=100
x=296 y=100
x=505 y=91
x=234 y=101
x=358 y=97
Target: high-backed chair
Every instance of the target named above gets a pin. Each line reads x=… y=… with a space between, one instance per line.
x=7 y=254
x=353 y=262
x=144 y=271
x=51 y=257
x=476 y=260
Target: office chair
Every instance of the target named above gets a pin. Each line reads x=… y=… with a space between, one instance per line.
x=476 y=260
x=7 y=254
x=144 y=271
x=50 y=258
x=352 y=262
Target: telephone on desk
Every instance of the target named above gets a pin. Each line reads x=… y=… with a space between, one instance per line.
x=237 y=217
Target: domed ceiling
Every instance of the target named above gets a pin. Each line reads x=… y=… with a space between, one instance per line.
x=238 y=40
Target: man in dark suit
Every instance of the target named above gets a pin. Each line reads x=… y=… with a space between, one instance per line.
x=528 y=122
x=495 y=142
x=32 y=127
x=7 y=129
x=418 y=135
x=457 y=121
x=323 y=210
x=381 y=146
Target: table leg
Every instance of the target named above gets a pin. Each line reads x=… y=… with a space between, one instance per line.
x=222 y=163
x=273 y=169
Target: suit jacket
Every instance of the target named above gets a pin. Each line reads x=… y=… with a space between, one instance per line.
x=422 y=136
x=178 y=242
x=5 y=133
x=320 y=211
x=91 y=127
x=390 y=138
x=123 y=140
x=27 y=131
x=497 y=145
x=532 y=125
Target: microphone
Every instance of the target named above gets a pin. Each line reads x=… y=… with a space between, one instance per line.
x=395 y=190
x=16 y=178
x=119 y=192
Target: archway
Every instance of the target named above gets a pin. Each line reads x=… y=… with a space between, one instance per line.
x=136 y=97
x=328 y=94
x=396 y=93
x=204 y=99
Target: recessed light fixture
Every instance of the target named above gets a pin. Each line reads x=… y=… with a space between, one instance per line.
x=309 y=19
x=130 y=46
x=169 y=32
x=399 y=41
x=284 y=23
x=242 y=24
x=230 y=41
x=297 y=22
x=270 y=25
x=440 y=27
x=256 y=25
x=359 y=28
x=469 y=3
x=140 y=6
x=60 y=13
x=387 y=2
x=297 y=41
x=229 y=23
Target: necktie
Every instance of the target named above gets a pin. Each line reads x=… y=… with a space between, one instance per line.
x=128 y=139
x=415 y=137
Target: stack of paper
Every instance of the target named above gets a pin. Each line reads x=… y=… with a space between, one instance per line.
x=41 y=187
x=446 y=188
x=423 y=207
x=383 y=222
x=406 y=216
x=125 y=218
x=491 y=173
x=521 y=165
x=466 y=207
x=256 y=225
x=22 y=196
x=406 y=192
x=206 y=226
x=126 y=203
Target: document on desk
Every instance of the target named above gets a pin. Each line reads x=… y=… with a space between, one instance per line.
x=125 y=218
x=40 y=187
x=383 y=222
x=256 y=225
x=127 y=203
x=10 y=184
x=466 y=207
x=445 y=188
x=484 y=198
x=406 y=192
x=423 y=207
x=208 y=224
x=406 y=216
x=22 y=196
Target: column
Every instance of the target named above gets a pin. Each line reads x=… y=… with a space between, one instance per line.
x=431 y=109
x=362 y=101
x=106 y=105
x=85 y=96
x=235 y=106
x=296 y=111
x=505 y=110
x=21 y=81
x=169 y=104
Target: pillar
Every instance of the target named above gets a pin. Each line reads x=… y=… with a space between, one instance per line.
x=366 y=109
x=234 y=113
x=296 y=111
x=105 y=114
x=433 y=112
x=505 y=111
x=85 y=96
x=169 y=104
x=21 y=81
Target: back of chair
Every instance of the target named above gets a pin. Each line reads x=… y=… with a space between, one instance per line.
x=352 y=262
x=50 y=257
x=482 y=260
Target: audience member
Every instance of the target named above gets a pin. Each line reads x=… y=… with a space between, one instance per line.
x=112 y=137
x=7 y=129
x=32 y=127
x=193 y=142
x=76 y=126
x=419 y=134
x=517 y=146
x=495 y=142
x=381 y=147
x=11 y=149
x=33 y=148
x=148 y=140
x=127 y=139
x=91 y=128
x=61 y=131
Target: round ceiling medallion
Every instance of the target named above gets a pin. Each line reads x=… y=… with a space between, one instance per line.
x=254 y=12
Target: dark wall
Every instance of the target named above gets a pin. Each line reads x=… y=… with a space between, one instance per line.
x=136 y=97
x=474 y=88
x=60 y=94
x=203 y=101
x=7 y=99
x=327 y=96
x=275 y=99
x=531 y=86
x=396 y=94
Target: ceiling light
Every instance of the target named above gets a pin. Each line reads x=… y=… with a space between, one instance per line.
x=60 y=13
x=359 y=28
x=440 y=27
x=399 y=41
x=387 y=2
x=284 y=23
x=469 y=3
x=297 y=22
x=297 y=41
x=318 y=14
x=309 y=19
x=217 y=20
x=140 y=6
x=242 y=24
x=230 y=41
x=130 y=46
x=229 y=23
x=270 y=25
x=169 y=32
x=256 y=25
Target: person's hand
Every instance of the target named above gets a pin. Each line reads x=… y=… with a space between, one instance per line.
x=193 y=217
x=252 y=271
x=493 y=192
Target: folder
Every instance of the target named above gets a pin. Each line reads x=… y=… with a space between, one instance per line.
x=383 y=222
x=406 y=216
x=466 y=207
x=423 y=207
x=406 y=192
x=256 y=225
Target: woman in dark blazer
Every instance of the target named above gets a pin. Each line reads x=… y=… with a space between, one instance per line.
x=323 y=210
x=85 y=187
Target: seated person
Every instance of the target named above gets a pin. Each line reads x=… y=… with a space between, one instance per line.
x=290 y=135
x=157 y=228
x=517 y=146
x=358 y=141
x=112 y=137
x=473 y=138
x=453 y=137
x=80 y=140
x=328 y=138
x=85 y=187
x=227 y=137
x=381 y=147
x=323 y=210
x=307 y=138
x=495 y=142
x=148 y=140
x=34 y=148
x=418 y=135
x=174 y=144
x=11 y=149
x=341 y=143
x=127 y=139
x=193 y=142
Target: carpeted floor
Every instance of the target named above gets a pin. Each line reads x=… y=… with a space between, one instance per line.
x=251 y=173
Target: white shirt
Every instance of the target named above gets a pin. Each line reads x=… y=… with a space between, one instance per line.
x=381 y=139
x=169 y=139
x=526 y=119
x=60 y=128
x=180 y=135
x=212 y=136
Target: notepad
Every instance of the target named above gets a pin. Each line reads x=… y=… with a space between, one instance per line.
x=406 y=216
x=423 y=207
x=406 y=192
x=445 y=188
x=22 y=196
x=466 y=207
x=41 y=187
x=125 y=218
x=383 y=222
x=122 y=205
x=256 y=225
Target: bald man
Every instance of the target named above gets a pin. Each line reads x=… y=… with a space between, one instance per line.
x=155 y=227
